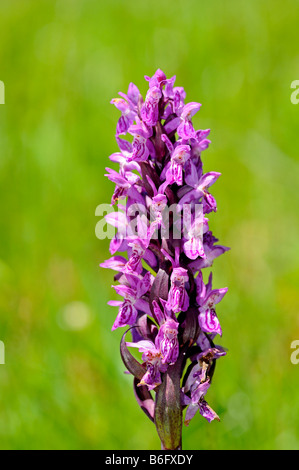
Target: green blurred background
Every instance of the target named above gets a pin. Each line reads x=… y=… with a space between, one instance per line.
x=63 y=385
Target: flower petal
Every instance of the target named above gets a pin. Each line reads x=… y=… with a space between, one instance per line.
x=208 y=321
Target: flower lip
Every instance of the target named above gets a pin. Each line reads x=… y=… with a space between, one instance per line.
x=190 y=109
x=181 y=154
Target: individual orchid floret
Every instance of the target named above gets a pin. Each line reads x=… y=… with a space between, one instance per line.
x=128 y=308
x=198 y=383
x=186 y=130
x=117 y=263
x=178 y=299
x=158 y=204
x=193 y=239
x=136 y=250
x=140 y=150
x=120 y=221
x=150 y=108
x=211 y=250
x=199 y=143
x=165 y=243
x=178 y=100
x=154 y=364
x=127 y=115
x=197 y=387
x=128 y=312
x=128 y=105
x=157 y=80
x=175 y=96
x=124 y=157
x=199 y=185
x=133 y=97
x=167 y=341
x=174 y=172
x=207 y=299
x=123 y=183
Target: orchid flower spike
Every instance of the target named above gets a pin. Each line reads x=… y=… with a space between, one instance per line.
x=162 y=234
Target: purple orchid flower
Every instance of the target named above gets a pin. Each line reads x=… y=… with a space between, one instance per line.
x=207 y=299
x=136 y=255
x=133 y=96
x=140 y=145
x=127 y=116
x=156 y=206
x=180 y=155
x=128 y=308
x=123 y=183
x=199 y=143
x=128 y=106
x=117 y=263
x=198 y=383
x=173 y=171
x=211 y=250
x=150 y=108
x=193 y=245
x=198 y=187
x=186 y=130
x=154 y=363
x=167 y=340
x=157 y=80
x=178 y=299
x=166 y=306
